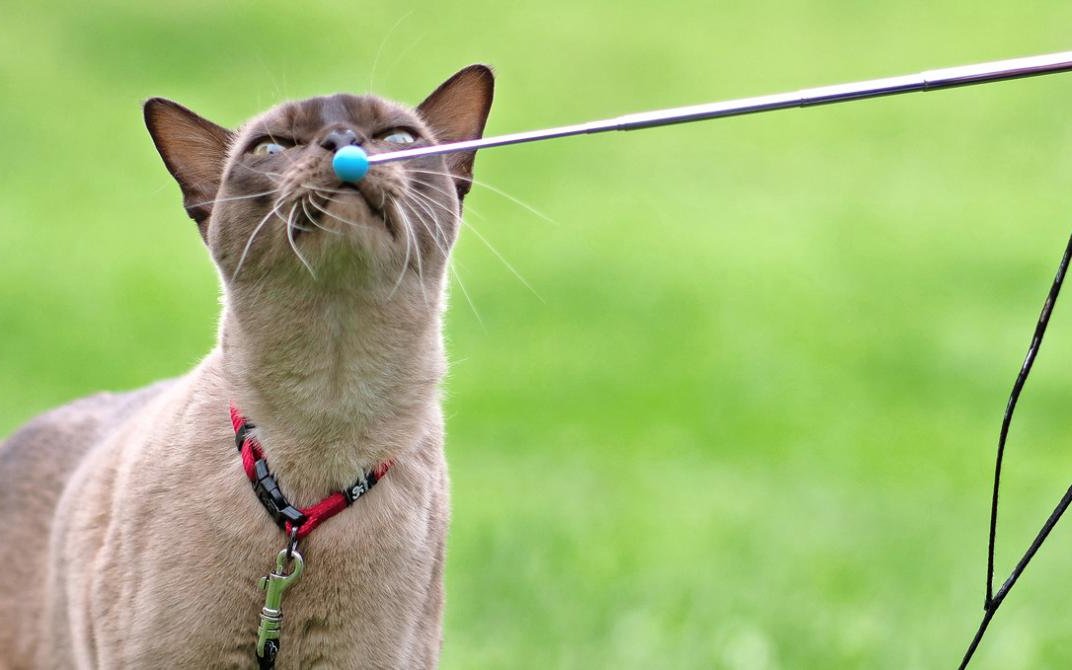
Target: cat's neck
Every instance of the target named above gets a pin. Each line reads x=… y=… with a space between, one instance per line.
x=335 y=384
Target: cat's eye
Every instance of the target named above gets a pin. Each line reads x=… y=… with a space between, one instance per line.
x=268 y=148
x=399 y=136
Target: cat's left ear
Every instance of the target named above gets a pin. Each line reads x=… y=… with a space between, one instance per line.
x=194 y=150
x=457 y=111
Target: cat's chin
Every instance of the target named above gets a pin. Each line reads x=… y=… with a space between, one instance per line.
x=349 y=212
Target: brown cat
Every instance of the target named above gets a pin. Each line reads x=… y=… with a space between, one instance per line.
x=136 y=540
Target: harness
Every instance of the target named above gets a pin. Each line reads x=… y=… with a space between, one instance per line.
x=296 y=523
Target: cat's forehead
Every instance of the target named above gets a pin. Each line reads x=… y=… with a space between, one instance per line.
x=306 y=118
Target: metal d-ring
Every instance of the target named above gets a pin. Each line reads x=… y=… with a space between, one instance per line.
x=292 y=543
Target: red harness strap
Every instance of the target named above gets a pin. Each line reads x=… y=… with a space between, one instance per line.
x=268 y=492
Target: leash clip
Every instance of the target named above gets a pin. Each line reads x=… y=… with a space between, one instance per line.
x=274 y=584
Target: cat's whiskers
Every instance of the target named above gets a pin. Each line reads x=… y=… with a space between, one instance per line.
x=249 y=242
x=403 y=53
x=420 y=199
x=438 y=189
x=505 y=262
x=325 y=189
x=487 y=243
x=416 y=247
x=468 y=298
x=379 y=50
x=493 y=189
x=431 y=226
x=305 y=202
x=427 y=223
x=234 y=198
x=410 y=235
x=468 y=209
x=348 y=222
x=401 y=215
x=293 y=245
x=452 y=264
x=426 y=198
x=329 y=214
x=265 y=173
x=425 y=201
x=434 y=231
x=405 y=261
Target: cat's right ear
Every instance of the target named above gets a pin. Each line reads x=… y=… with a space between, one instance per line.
x=194 y=151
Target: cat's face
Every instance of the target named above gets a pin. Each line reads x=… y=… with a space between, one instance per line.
x=272 y=211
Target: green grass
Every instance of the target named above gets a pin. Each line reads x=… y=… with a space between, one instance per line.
x=750 y=424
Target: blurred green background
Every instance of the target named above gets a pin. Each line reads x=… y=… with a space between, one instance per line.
x=749 y=421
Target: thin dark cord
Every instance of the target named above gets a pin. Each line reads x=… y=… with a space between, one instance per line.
x=1025 y=370
x=993 y=601
x=992 y=607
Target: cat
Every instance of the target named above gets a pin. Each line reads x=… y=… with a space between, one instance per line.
x=133 y=538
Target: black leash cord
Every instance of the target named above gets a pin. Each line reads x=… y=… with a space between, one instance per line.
x=994 y=600
x=267 y=662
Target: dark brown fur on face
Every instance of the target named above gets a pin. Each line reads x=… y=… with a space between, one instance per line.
x=146 y=541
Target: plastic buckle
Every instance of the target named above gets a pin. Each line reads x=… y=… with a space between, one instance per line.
x=272 y=498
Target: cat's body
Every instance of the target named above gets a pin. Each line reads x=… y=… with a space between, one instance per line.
x=136 y=539
x=157 y=546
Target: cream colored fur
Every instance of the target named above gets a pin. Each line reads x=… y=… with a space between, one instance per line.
x=132 y=537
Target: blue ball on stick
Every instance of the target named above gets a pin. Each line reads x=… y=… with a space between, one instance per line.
x=350 y=163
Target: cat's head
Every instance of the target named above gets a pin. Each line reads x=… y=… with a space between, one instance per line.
x=272 y=211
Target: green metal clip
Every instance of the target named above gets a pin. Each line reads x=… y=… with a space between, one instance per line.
x=274 y=584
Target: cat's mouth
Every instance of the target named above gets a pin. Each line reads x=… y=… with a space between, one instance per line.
x=338 y=209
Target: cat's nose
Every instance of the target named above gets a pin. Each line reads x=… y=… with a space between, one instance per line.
x=339 y=138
